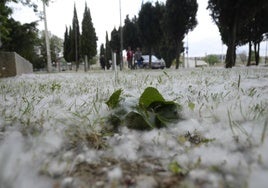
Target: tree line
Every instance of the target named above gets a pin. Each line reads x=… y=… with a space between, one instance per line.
x=158 y=29
x=161 y=28
x=15 y=36
x=80 y=46
x=29 y=42
x=240 y=22
x=26 y=39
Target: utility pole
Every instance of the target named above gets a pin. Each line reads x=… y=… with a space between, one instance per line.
x=121 y=38
x=47 y=39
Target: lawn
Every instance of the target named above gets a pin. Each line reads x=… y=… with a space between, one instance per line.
x=56 y=129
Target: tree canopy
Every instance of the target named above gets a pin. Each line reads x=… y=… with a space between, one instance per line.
x=159 y=28
x=76 y=45
x=180 y=19
x=88 y=37
x=131 y=33
x=234 y=17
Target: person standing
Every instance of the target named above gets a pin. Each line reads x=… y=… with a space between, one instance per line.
x=102 y=62
x=130 y=57
x=138 y=57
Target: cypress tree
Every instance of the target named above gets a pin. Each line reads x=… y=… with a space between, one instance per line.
x=115 y=44
x=231 y=16
x=67 y=45
x=180 y=18
x=75 y=40
x=130 y=33
x=88 y=37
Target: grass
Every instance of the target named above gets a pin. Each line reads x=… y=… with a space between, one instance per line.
x=74 y=106
x=263 y=135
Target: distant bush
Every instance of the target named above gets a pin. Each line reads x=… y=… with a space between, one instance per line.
x=211 y=59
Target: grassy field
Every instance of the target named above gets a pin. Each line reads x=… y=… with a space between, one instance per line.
x=56 y=131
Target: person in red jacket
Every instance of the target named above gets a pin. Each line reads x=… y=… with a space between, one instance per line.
x=130 y=57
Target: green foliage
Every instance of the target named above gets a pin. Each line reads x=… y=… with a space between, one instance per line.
x=55 y=46
x=212 y=59
x=135 y=120
x=88 y=37
x=180 y=18
x=195 y=138
x=74 y=37
x=6 y=11
x=153 y=111
x=176 y=168
x=150 y=26
x=55 y=86
x=150 y=29
x=237 y=21
x=115 y=44
x=114 y=99
x=21 y=35
x=67 y=44
x=191 y=105
x=149 y=96
x=131 y=33
x=115 y=40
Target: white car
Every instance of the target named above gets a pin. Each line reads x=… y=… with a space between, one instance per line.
x=156 y=63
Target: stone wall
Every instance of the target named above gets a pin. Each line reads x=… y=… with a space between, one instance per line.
x=12 y=64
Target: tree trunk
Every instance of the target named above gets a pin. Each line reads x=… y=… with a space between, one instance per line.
x=178 y=57
x=231 y=47
x=234 y=55
x=178 y=53
x=257 y=52
x=249 y=53
x=47 y=40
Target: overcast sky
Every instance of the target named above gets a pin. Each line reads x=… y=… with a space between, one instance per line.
x=204 y=39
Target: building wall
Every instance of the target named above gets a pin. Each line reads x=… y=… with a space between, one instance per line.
x=12 y=64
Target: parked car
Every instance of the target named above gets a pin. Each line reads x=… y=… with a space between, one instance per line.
x=156 y=63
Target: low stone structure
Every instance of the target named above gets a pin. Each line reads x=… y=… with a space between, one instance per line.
x=12 y=64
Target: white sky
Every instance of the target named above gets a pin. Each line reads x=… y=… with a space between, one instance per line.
x=204 y=39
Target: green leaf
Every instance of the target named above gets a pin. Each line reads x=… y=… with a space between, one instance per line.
x=149 y=96
x=167 y=112
x=114 y=99
x=163 y=112
x=175 y=168
x=114 y=120
x=166 y=74
x=134 y=120
x=191 y=105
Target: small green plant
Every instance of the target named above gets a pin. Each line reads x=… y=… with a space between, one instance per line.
x=191 y=105
x=114 y=100
x=233 y=124
x=152 y=111
x=176 y=168
x=196 y=138
x=252 y=92
x=55 y=86
x=165 y=73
